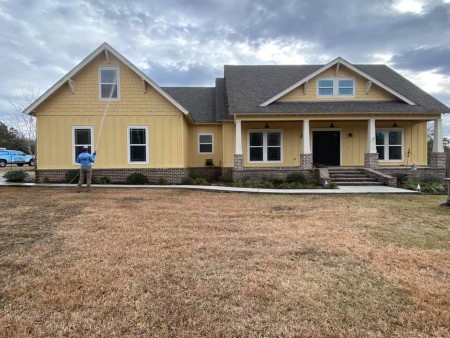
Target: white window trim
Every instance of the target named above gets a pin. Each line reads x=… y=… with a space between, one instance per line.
x=265 y=131
x=74 y=159
x=100 y=83
x=335 y=87
x=212 y=144
x=146 y=145
x=387 y=145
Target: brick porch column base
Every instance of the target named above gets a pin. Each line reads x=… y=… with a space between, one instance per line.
x=238 y=166
x=238 y=162
x=371 y=160
x=306 y=161
x=437 y=160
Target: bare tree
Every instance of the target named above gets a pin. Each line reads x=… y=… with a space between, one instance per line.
x=24 y=124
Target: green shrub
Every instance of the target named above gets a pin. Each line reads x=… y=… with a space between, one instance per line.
x=44 y=179
x=238 y=183
x=225 y=178
x=332 y=185
x=296 y=185
x=297 y=177
x=267 y=185
x=196 y=174
x=433 y=187
x=311 y=182
x=200 y=181
x=285 y=185
x=104 y=180
x=252 y=183
x=411 y=186
x=187 y=180
x=402 y=178
x=15 y=176
x=137 y=178
x=71 y=176
x=277 y=180
x=162 y=181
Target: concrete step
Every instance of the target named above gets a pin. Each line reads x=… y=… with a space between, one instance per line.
x=359 y=183
x=353 y=179
x=349 y=177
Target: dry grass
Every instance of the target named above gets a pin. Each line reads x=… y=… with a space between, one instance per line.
x=185 y=263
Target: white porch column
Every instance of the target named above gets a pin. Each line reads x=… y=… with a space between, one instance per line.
x=438 y=145
x=238 y=150
x=371 y=140
x=306 y=158
x=306 y=138
x=238 y=157
x=438 y=157
x=371 y=155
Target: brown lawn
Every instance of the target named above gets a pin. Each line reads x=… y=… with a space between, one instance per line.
x=184 y=263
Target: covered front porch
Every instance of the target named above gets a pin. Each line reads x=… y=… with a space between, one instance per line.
x=301 y=143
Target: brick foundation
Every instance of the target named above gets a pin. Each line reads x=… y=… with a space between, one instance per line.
x=172 y=175
x=371 y=160
x=420 y=174
x=306 y=161
x=437 y=160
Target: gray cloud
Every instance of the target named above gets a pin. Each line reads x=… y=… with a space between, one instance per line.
x=423 y=59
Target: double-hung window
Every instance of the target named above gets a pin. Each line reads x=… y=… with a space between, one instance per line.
x=265 y=146
x=138 y=145
x=82 y=136
x=205 y=143
x=336 y=87
x=389 y=144
x=109 y=83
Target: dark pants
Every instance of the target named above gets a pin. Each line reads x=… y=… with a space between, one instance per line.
x=85 y=171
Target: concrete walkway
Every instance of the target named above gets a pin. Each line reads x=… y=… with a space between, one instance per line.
x=339 y=190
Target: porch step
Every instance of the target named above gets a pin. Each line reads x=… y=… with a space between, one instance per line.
x=351 y=176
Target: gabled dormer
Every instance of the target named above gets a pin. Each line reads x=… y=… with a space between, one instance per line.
x=338 y=81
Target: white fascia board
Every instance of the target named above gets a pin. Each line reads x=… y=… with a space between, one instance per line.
x=88 y=59
x=324 y=68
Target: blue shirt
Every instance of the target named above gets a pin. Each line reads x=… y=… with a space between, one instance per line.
x=86 y=159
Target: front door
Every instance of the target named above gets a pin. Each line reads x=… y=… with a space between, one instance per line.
x=327 y=147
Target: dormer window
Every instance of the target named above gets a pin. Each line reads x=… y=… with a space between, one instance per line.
x=109 y=83
x=336 y=88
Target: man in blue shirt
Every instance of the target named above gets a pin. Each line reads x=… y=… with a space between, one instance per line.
x=85 y=159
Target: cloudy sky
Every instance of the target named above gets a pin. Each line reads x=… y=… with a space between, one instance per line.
x=187 y=42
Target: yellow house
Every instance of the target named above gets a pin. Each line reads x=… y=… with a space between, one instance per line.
x=256 y=121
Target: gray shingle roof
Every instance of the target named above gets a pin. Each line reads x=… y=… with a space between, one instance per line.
x=222 y=113
x=199 y=101
x=244 y=88
x=249 y=86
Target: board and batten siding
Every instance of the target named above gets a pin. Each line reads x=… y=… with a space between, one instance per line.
x=195 y=158
x=167 y=126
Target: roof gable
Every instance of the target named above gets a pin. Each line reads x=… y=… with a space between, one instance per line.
x=337 y=62
x=104 y=48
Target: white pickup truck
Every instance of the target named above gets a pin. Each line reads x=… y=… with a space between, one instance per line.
x=15 y=157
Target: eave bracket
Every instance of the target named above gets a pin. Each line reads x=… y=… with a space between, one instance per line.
x=368 y=86
x=337 y=68
x=71 y=85
x=107 y=56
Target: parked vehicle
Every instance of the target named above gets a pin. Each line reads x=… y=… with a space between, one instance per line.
x=16 y=157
